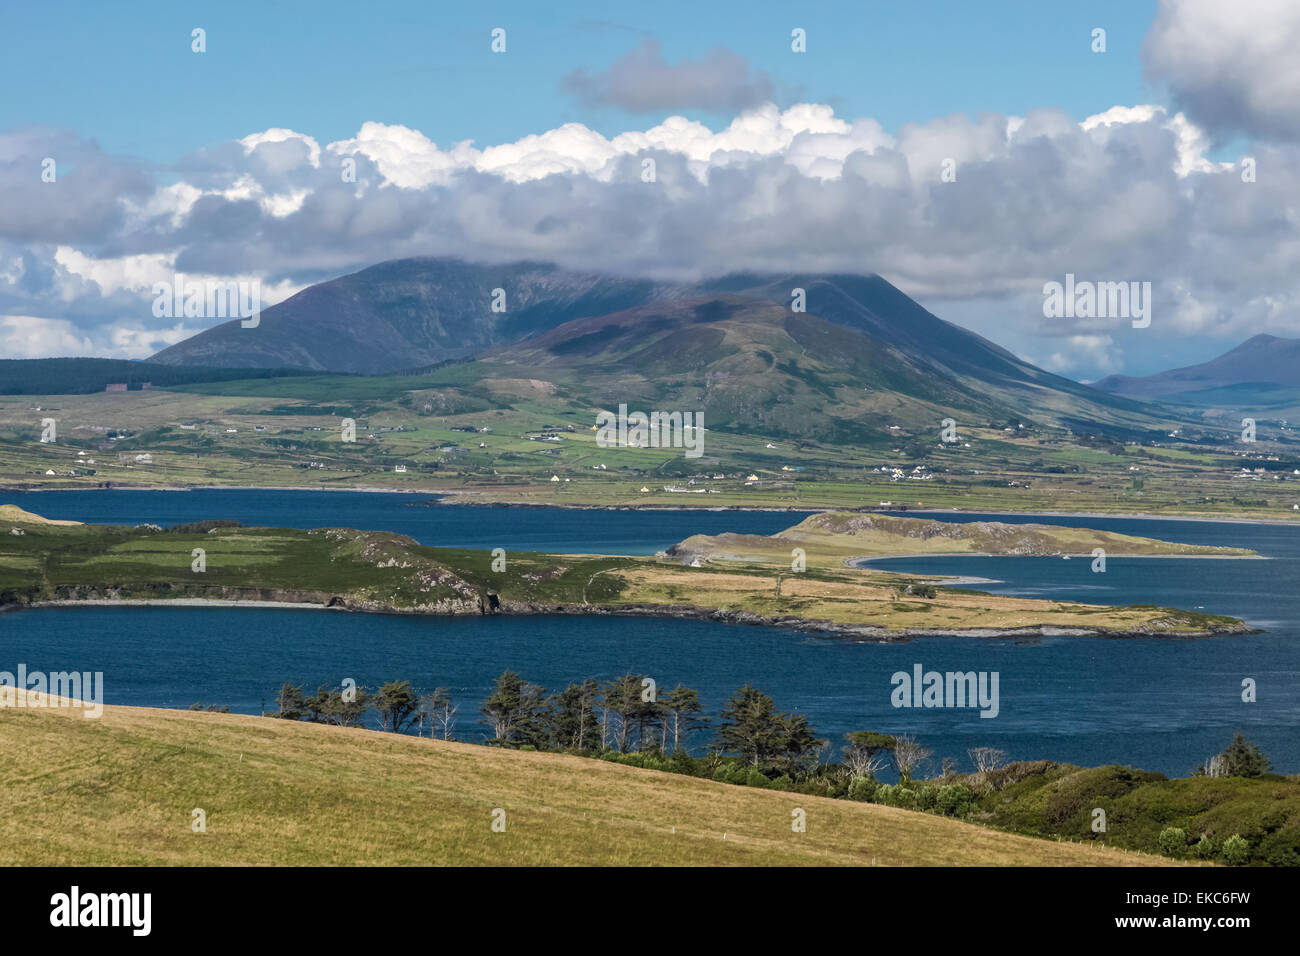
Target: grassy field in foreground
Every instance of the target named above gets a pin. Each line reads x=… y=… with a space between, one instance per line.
x=121 y=790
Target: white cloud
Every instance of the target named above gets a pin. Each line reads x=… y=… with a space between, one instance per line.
x=1232 y=67
x=1084 y=352
x=1127 y=194
x=29 y=336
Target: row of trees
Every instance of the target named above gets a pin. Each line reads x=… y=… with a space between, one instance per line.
x=625 y=715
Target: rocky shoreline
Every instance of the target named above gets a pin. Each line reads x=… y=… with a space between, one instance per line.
x=315 y=600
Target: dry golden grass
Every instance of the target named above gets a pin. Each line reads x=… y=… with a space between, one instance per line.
x=121 y=790
x=865 y=602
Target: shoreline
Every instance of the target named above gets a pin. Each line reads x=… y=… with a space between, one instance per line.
x=862 y=632
x=1084 y=556
x=454 y=494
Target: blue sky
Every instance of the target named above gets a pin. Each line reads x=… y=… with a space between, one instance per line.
x=1122 y=166
x=124 y=74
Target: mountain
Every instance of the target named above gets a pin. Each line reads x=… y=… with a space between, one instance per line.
x=732 y=342
x=752 y=365
x=1263 y=370
x=410 y=313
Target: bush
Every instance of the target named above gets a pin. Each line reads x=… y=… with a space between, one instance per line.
x=863 y=788
x=1173 y=841
x=1205 y=848
x=926 y=797
x=1236 y=850
x=682 y=762
x=954 y=800
x=896 y=796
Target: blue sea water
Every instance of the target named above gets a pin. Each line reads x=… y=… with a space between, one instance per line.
x=1160 y=704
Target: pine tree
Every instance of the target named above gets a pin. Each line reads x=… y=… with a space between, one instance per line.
x=1244 y=759
x=398 y=706
x=682 y=715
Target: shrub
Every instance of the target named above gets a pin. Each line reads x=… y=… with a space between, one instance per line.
x=1172 y=840
x=1236 y=850
x=926 y=797
x=1205 y=848
x=954 y=800
x=682 y=762
x=896 y=796
x=863 y=788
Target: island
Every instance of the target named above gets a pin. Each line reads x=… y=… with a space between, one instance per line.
x=808 y=577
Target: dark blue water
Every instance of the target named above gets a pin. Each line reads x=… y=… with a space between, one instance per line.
x=469 y=526
x=1159 y=704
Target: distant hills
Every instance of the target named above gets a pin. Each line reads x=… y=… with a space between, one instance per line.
x=1262 y=371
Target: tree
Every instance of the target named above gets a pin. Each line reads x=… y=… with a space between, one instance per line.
x=398 y=706
x=290 y=701
x=1243 y=759
x=514 y=712
x=442 y=713
x=908 y=756
x=572 y=717
x=986 y=759
x=865 y=753
x=751 y=727
x=330 y=707
x=801 y=748
x=621 y=699
x=682 y=715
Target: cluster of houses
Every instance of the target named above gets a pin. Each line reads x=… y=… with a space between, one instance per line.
x=898 y=474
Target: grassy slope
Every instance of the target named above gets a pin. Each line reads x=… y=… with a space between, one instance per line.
x=120 y=790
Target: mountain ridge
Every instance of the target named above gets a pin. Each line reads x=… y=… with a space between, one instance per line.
x=1263 y=359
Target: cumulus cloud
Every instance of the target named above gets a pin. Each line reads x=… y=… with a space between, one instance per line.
x=643 y=81
x=29 y=336
x=1232 y=67
x=1126 y=195
x=1083 y=351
